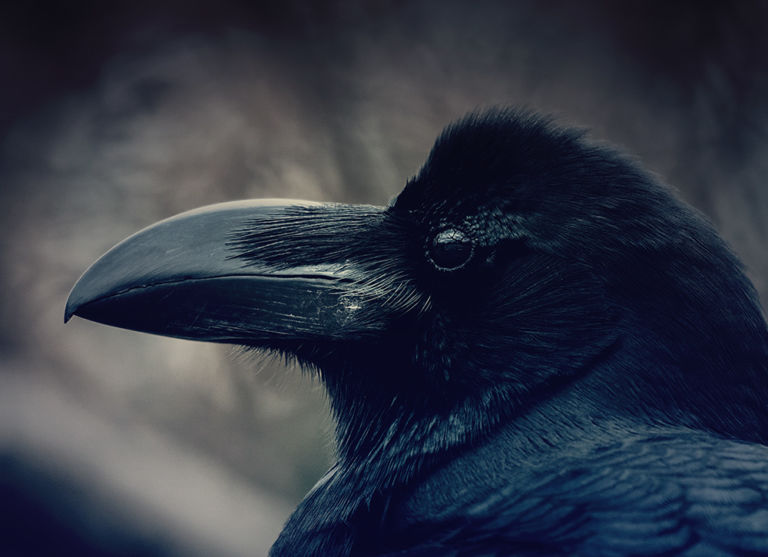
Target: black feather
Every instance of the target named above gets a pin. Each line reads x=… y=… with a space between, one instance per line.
x=573 y=389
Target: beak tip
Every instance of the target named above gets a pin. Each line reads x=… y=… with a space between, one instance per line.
x=75 y=301
x=70 y=310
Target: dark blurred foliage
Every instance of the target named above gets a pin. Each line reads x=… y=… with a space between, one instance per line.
x=114 y=115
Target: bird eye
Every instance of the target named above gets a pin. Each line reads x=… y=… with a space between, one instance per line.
x=450 y=249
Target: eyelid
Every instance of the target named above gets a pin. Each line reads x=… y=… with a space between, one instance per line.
x=451 y=234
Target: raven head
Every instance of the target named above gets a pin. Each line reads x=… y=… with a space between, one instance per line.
x=521 y=264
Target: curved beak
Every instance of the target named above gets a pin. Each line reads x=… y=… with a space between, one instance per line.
x=240 y=272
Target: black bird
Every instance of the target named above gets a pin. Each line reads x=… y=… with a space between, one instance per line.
x=535 y=349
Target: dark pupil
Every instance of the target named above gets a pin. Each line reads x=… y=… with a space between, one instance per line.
x=450 y=249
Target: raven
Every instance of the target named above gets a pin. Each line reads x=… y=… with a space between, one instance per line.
x=536 y=348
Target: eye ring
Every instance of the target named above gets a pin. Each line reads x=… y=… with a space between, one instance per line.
x=450 y=249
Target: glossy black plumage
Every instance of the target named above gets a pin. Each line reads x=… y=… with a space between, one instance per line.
x=536 y=349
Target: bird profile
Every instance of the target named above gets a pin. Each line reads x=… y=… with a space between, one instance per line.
x=535 y=349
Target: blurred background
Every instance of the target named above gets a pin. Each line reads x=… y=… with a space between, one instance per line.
x=115 y=115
